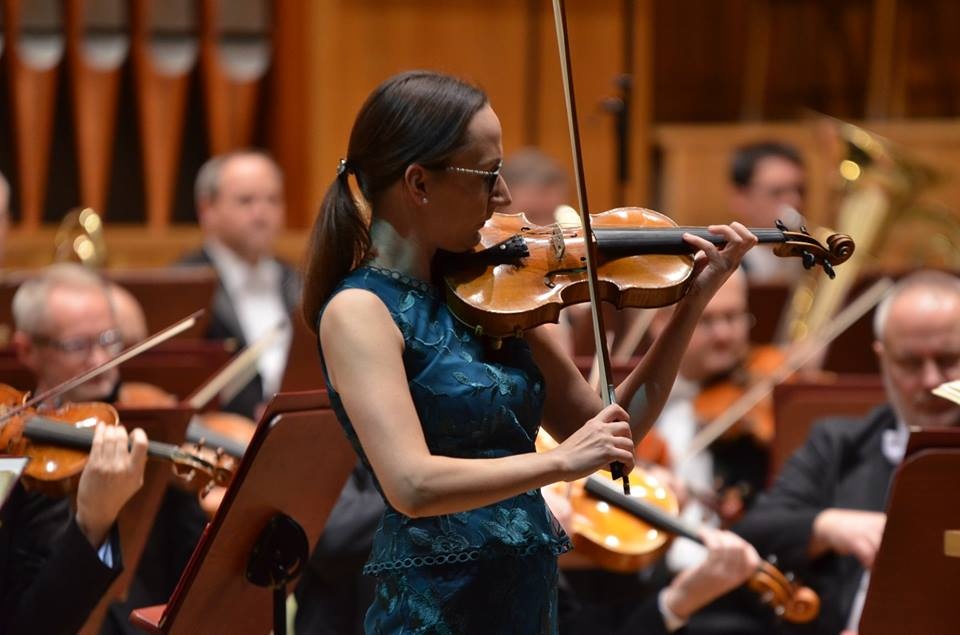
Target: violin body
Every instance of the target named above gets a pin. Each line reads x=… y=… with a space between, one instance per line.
x=718 y=396
x=58 y=442
x=520 y=275
x=53 y=470
x=615 y=539
x=607 y=535
x=506 y=295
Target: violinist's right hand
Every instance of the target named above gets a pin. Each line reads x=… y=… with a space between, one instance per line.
x=112 y=475
x=602 y=440
x=730 y=561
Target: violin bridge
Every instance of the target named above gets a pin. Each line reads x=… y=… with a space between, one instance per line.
x=557 y=247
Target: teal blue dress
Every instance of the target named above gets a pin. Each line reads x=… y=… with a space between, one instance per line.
x=487 y=570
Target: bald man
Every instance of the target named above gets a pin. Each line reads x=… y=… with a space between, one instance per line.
x=824 y=515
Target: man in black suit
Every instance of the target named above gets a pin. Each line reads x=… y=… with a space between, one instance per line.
x=240 y=206
x=56 y=565
x=824 y=516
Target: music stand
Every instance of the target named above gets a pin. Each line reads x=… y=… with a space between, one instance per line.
x=912 y=586
x=167 y=425
x=296 y=465
x=303 y=361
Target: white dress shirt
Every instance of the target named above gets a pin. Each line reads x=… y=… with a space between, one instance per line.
x=678 y=426
x=894 y=443
x=257 y=296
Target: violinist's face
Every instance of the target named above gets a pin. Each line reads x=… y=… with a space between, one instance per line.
x=721 y=339
x=919 y=350
x=75 y=337
x=460 y=203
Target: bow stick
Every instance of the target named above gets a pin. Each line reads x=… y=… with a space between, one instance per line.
x=603 y=355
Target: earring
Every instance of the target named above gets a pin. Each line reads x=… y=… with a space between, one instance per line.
x=424 y=200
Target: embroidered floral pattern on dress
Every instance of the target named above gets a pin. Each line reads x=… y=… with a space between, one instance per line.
x=471 y=403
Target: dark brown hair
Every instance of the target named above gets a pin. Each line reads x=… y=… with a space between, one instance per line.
x=414 y=117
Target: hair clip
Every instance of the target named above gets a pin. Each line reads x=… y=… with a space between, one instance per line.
x=342 y=167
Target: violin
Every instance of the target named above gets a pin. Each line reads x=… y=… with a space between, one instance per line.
x=792 y=602
x=610 y=537
x=138 y=394
x=57 y=441
x=520 y=276
x=718 y=395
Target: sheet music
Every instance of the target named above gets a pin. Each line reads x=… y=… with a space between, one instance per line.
x=11 y=467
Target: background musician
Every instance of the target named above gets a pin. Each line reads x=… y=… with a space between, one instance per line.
x=824 y=514
x=66 y=324
x=767 y=184
x=240 y=206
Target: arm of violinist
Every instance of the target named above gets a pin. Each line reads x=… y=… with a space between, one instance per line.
x=570 y=398
x=363 y=350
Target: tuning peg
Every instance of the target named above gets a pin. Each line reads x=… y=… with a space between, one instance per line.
x=808 y=260
x=772 y=559
x=803 y=230
x=779 y=224
x=828 y=269
x=789 y=576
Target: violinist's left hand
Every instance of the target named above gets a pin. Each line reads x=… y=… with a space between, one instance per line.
x=713 y=265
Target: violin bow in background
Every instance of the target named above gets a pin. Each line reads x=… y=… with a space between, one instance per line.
x=141 y=347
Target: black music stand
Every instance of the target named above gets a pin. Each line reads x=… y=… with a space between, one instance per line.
x=294 y=468
x=913 y=583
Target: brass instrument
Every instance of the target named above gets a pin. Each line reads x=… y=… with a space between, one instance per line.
x=881 y=187
x=79 y=238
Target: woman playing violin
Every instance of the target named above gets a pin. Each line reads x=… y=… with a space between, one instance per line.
x=446 y=422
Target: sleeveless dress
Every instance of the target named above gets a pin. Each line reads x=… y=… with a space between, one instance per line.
x=487 y=570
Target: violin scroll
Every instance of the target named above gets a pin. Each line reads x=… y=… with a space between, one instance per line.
x=794 y=603
x=201 y=466
x=812 y=252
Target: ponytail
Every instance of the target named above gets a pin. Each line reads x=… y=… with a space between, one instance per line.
x=416 y=116
x=339 y=240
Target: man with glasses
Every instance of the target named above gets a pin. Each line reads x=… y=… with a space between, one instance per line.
x=65 y=325
x=48 y=555
x=768 y=183
x=824 y=515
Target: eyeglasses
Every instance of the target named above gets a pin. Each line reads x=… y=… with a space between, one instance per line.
x=109 y=341
x=490 y=176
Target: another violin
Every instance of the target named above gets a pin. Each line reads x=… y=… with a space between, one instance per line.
x=792 y=602
x=57 y=442
x=611 y=538
x=716 y=397
x=520 y=275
